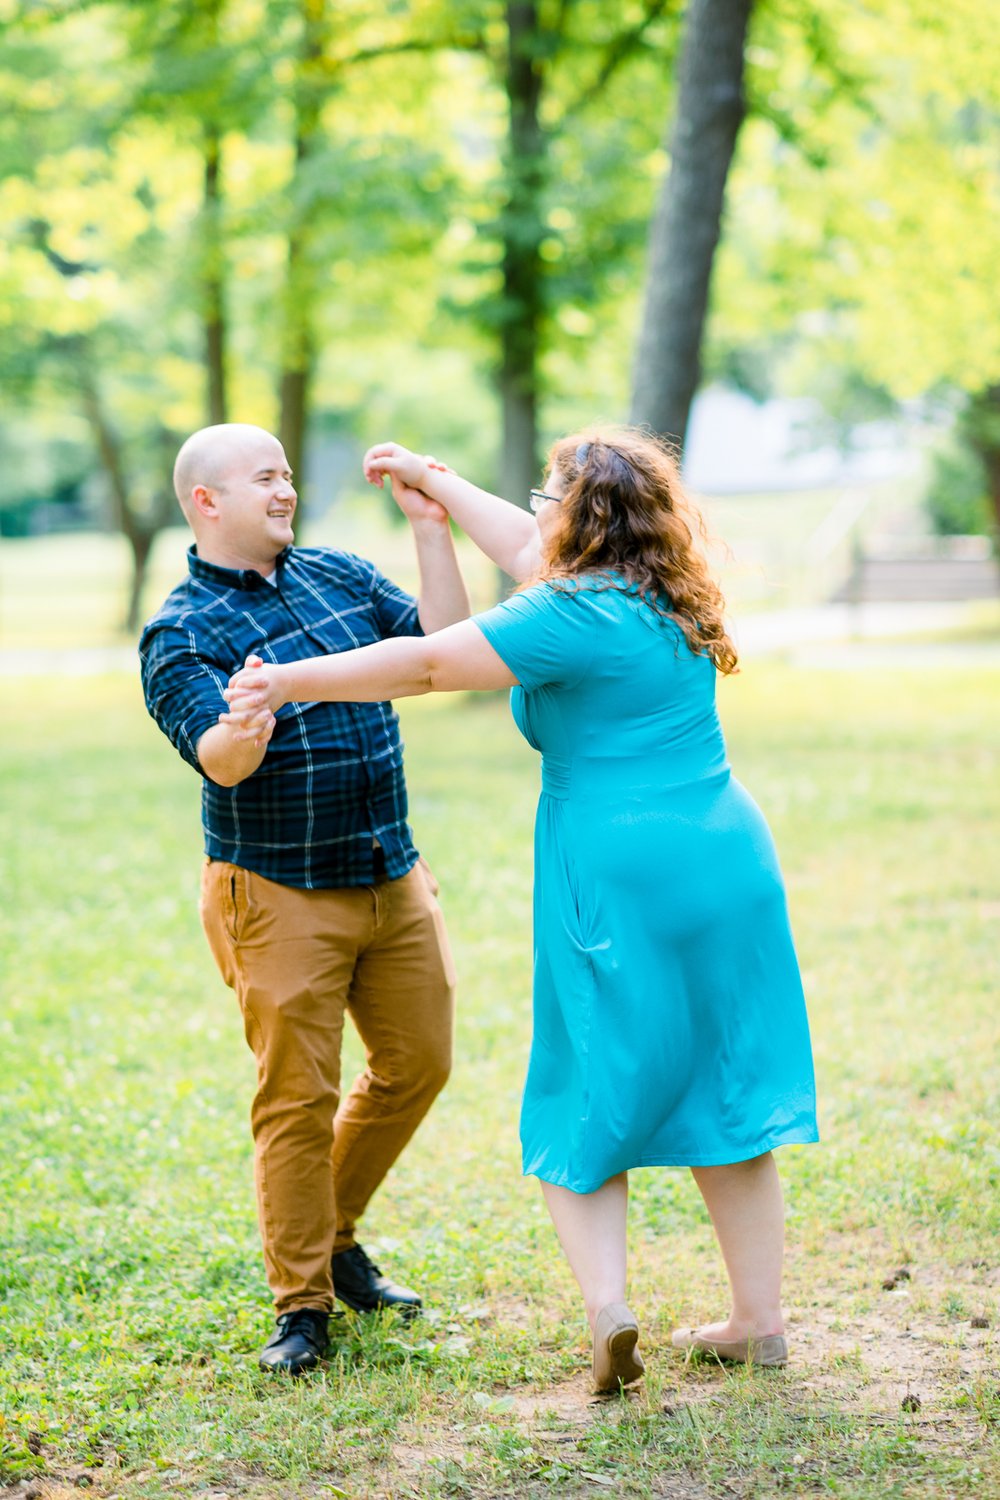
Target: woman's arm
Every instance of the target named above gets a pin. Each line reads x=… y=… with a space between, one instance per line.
x=505 y=532
x=449 y=661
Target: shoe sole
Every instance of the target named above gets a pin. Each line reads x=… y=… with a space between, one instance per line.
x=626 y=1365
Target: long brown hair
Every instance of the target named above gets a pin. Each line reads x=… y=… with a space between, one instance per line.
x=624 y=513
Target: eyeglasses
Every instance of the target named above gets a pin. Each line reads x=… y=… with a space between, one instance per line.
x=537 y=498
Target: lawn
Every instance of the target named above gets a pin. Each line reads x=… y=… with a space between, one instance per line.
x=133 y=1300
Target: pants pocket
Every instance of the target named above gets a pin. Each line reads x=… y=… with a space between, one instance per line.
x=241 y=891
x=429 y=875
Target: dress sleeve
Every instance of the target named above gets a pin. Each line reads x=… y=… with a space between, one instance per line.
x=546 y=636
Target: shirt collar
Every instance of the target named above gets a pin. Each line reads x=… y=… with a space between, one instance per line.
x=230 y=578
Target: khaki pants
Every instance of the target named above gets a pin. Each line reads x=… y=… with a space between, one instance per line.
x=298 y=960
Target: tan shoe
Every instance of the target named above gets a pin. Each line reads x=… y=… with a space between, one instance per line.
x=617 y=1361
x=772 y=1350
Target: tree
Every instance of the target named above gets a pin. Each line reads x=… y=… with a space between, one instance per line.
x=550 y=82
x=688 y=218
x=90 y=230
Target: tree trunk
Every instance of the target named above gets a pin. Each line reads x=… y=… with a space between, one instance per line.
x=298 y=355
x=522 y=230
x=140 y=531
x=688 y=217
x=213 y=285
x=141 y=543
x=296 y=388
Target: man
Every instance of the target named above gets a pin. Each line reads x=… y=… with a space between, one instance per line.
x=313 y=898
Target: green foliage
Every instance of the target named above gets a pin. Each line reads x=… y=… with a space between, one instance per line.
x=862 y=215
x=956 y=498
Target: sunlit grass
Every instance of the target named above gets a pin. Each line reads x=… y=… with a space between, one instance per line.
x=133 y=1300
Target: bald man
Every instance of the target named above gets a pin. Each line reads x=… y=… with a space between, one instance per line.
x=313 y=898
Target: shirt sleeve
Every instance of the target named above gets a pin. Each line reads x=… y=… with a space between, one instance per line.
x=546 y=636
x=182 y=687
x=395 y=609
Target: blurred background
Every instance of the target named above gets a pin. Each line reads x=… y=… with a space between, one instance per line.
x=767 y=229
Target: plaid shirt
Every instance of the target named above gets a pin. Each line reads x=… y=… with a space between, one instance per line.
x=332 y=777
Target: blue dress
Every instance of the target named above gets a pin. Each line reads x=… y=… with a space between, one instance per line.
x=670 y=1025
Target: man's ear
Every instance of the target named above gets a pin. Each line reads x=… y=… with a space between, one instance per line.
x=203 y=500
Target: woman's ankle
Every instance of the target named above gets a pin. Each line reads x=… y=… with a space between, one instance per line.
x=593 y=1307
x=762 y=1323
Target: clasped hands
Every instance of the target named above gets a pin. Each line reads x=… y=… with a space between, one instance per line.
x=254 y=696
x=255 y=692
x=408 y=474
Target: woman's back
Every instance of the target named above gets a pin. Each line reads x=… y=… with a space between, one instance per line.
x=611 y=692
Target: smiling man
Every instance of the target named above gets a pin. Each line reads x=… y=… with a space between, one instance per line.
x=314 y=899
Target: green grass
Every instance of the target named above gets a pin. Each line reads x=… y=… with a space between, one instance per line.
x=132 y=1299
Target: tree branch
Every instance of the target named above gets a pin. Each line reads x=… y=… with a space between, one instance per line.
x=620 y=49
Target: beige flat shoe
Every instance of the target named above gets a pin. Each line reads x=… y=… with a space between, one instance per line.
x=772 y=1350
x=617 y=1361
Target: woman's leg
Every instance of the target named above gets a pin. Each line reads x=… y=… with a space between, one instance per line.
x=748 y=1212
x=591 y=1230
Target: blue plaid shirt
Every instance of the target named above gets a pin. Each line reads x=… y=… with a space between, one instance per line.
x=332 y=778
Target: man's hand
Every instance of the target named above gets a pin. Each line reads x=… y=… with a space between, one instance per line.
x=251 y=713
x=254 y=695
x=235 y=747
x=409 y=475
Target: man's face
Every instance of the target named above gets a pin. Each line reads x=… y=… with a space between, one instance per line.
x=254 y=502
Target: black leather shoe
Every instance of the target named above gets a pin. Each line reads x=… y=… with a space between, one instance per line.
x=360 y=1284
x=299 y=1342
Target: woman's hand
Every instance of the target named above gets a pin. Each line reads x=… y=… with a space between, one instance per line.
x=409 y=475
x=254 y=695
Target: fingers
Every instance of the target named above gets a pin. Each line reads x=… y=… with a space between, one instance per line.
x=246 y=678
x=376 y=471
x=375 y=465
x=256 y=724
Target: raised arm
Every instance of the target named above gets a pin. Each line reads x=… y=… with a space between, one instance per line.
x=443 y=598
x=506 y=533
x=457 y=658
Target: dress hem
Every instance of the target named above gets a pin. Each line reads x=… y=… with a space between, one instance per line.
x=726 y=1158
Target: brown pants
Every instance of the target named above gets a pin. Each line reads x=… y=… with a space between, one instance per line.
x=297 y=960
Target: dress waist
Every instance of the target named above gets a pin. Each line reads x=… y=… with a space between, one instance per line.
x=616 y=779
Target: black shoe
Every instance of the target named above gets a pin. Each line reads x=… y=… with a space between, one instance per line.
x=299 y=1342
x=360 y=1285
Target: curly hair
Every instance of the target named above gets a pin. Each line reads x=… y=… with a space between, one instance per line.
x=624 y=513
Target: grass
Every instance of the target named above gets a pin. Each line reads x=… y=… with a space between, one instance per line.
x=131 y=1292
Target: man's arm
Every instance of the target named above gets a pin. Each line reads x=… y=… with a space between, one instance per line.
x=505 y=532
x=443 y=598
x=227 y=758
x=183 y=694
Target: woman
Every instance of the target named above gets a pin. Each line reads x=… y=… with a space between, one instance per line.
x=669 y=1021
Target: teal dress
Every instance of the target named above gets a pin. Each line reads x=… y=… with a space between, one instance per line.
x=670 y=1025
